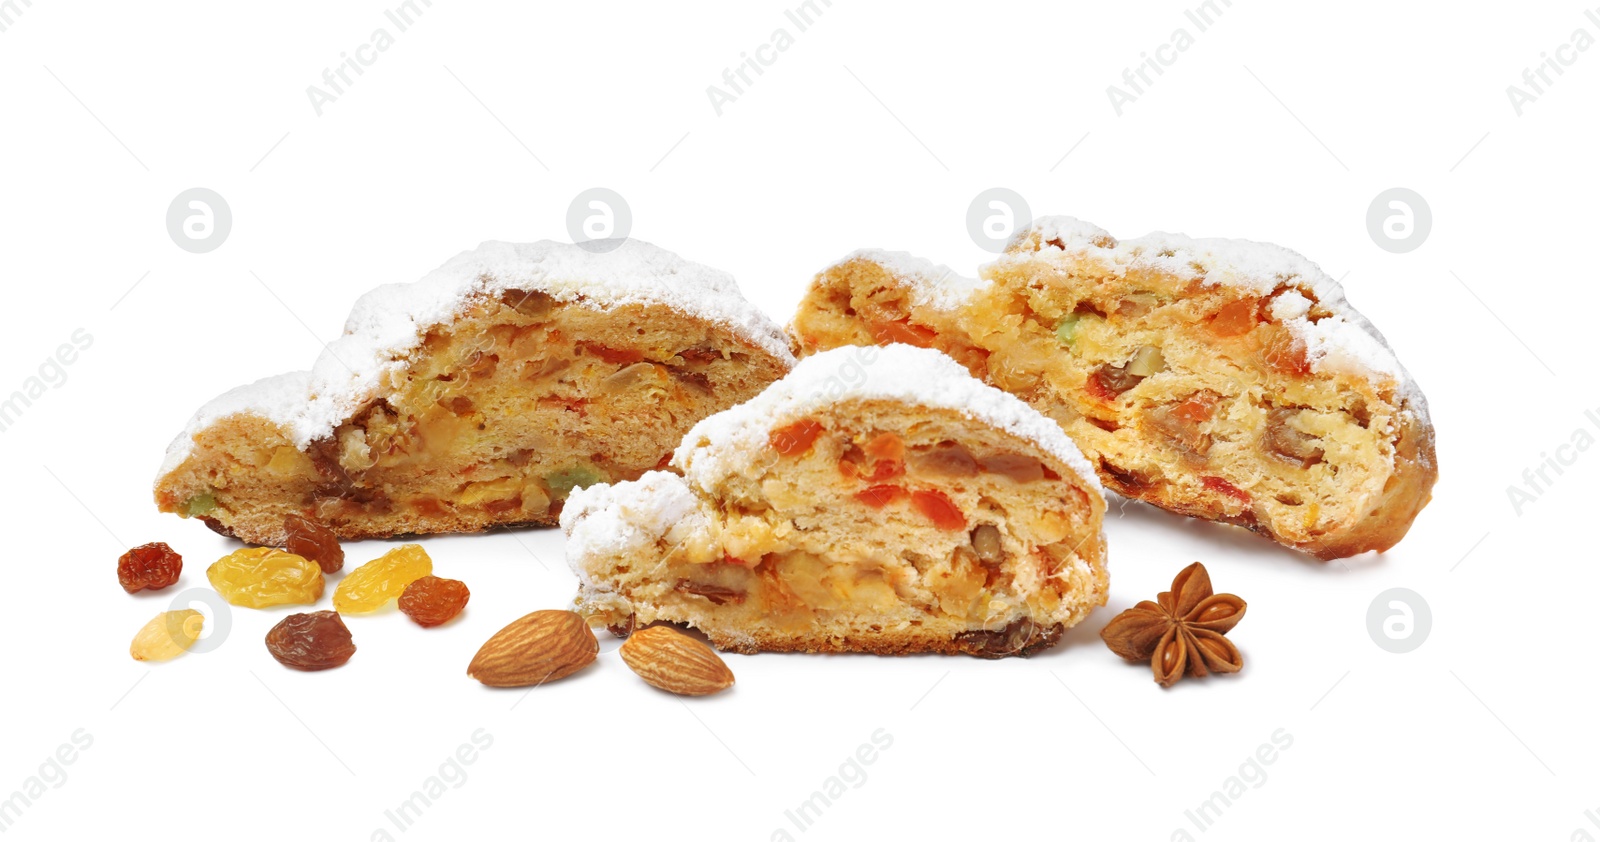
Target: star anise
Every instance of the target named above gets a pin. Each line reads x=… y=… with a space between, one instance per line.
x=1182 y=631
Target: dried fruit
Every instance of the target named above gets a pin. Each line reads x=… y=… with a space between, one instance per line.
x=432 y=601
x=1014 y=466
x=986 y=543
x=937 y=507
x=1288 y=443
x=1182 y=631
x=717 y=594
x=148 y=567
x=794 y=439
x=1222 y=486
x=315 y=641
x=167 y=636
x=670 y=660
x=1235 y=318
x=946 y=459
x=1109 y=381
x=902 y=332
x=539 y=648
x=312 y=540
x=260 y=577
x=878 y=496
x=563 y=481
x=370 y=586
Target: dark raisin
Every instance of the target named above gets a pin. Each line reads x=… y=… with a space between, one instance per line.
x=432 y=601
x=716 y=593
x=315 y=641
x=148 y=567
x=311 y=540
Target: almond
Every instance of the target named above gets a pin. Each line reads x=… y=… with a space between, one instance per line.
x=539 y=648
x=675 y=662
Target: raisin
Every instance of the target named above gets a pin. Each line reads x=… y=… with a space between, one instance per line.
x=309 y=539
x=794 y=439
x=1288 y=443
x=1021 y=638
x=315 y=641
x=371 y=586
x=947 y=459
x=1014 y=466
x=700 y=356
x=167 y=636
x=615 y=356
x=938 y=508
x=717 y=594
x=148 y=567
x=432 y=601
x=1109 y=381
x=260 y=577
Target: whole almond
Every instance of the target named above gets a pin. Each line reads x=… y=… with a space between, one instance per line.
x=675 y=662
x=539 y=648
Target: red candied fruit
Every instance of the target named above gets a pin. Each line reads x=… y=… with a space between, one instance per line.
x=1222 y=486
x=878 y=496
x=794 y=439
x=935 y=506
x=149 y=567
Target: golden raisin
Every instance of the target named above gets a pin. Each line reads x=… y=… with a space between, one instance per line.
x=167 y=636
x=432 y=601
x=371 y=586
x=315 y=641
x=312 y=540
x=148 y=566
x=260 y=577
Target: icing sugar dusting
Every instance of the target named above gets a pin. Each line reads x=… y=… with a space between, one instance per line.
x=930 y=284
x=387 y=324
x=613 y=520
x=720 y=444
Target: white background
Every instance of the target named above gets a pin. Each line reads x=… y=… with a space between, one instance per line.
x=876 y=128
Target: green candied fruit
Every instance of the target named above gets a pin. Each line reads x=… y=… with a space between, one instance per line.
x=1067 y=329
x=563 y=481
x=201 y=505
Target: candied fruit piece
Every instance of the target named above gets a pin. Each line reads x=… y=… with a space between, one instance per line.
x=904 y=333
x=878 y=496
x=370 y=586
x=794 y=439
x=315 y=641
x=700 y=356
x=260 y=577
x=198 y=505
x=432 y=601
x=312 y=540
x=615 y=356
x=1235 y=318
x=168 y=635
x=149 y=567
x=937 y=507
x=1222 y=486
x=1286 y=354
x=563 y=481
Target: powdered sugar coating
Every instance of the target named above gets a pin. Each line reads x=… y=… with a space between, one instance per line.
x=388 y=323
x=1343 y=342
x=614 y=520
x=930 y=284
x=721 y=444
